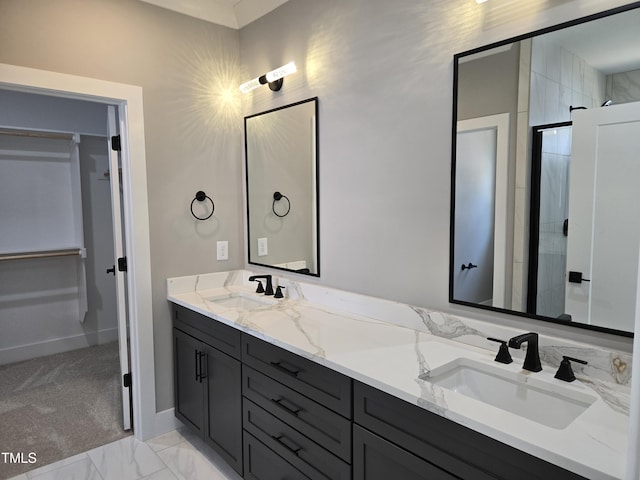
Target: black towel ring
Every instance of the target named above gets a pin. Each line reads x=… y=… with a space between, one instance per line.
x=201 y=197
x=277 y=196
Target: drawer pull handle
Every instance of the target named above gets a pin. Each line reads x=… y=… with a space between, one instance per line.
x=292 y=411
x=281 y=440
x=279 y=366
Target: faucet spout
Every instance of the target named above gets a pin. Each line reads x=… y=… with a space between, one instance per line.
x=269 y=288
x=532 y=357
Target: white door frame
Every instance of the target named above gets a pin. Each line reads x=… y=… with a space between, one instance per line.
x=128 y=99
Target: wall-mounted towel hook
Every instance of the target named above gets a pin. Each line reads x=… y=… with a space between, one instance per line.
x=277 y=196
x=201 y=197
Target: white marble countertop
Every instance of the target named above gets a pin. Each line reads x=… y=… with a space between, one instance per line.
x=389 y=345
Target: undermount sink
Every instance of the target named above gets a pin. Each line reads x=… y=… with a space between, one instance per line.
x=241 y=301
x=550 y=404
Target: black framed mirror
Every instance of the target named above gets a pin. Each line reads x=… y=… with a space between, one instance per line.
x=281 y=154
x=544 y=181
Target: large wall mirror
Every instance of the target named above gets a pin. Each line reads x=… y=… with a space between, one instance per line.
x=282 y=187
x=545 y=218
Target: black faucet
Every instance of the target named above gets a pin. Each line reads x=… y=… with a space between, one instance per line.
x=269 y=288
x=532 y=358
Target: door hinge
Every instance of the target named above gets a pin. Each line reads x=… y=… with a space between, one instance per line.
x=126 y=379
x=122 y=264
x=116 y=144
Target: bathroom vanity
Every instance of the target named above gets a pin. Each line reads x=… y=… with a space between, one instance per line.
x=325 y=384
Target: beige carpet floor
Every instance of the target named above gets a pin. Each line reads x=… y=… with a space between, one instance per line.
x=60 y=405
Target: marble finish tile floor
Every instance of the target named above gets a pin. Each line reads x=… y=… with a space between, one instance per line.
x=177 y=455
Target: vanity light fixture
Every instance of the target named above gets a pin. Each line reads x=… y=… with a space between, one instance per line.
x=274 y=78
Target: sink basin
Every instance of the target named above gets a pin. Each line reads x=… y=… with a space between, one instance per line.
x=240 y=301
x=550 y=404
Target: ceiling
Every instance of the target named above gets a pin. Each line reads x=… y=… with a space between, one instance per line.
x=230 y=13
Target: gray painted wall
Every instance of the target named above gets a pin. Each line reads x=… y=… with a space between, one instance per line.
x=43 y=112
x=193 y=130
x=383 y=72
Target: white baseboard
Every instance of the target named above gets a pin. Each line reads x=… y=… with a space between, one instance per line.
x=165 y=422
x=57 y=345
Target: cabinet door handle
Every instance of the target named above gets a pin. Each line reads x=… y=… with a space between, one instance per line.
x=279 y=366
x=293 y=411
x=281 y=440
x=206 y=357
x=197 y=365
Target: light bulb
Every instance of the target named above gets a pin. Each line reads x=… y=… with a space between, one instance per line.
x=283 y=71
x=250 y=85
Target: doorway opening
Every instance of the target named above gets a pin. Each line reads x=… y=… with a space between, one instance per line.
x=64 y=350
x=128 y=99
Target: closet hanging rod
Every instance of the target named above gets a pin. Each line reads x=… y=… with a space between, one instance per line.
x=37 y=134
x=44 y=254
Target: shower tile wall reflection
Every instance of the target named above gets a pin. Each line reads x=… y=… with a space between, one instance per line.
x=559 y=79
x=554 y=195
x=624 y=87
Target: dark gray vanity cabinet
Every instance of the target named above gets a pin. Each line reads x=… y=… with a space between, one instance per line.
x=393 y=435
x=294 y=411
x=207 y=382
x=273 y=415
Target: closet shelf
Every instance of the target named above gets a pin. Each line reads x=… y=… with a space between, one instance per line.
x=67 y=252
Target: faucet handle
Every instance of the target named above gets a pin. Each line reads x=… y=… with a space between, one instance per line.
x=565 y=372
x=279 y=292
x=260 y=288
x=503 y=355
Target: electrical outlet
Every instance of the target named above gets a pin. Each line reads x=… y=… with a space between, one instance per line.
x=262 y=247
x=223 y=250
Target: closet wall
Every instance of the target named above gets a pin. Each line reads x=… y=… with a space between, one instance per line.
x=49 y=305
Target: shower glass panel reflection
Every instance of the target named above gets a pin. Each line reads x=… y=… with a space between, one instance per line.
x=548 y=228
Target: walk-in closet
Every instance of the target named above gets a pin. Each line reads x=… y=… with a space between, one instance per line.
x=60 y=371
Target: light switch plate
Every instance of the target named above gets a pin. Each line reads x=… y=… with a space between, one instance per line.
x=263 y=249
x=223 y=250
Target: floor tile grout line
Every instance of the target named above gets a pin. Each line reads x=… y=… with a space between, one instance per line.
x=95 y=466
x=166 y=466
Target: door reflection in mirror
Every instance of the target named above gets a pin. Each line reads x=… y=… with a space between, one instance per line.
x=482 y=148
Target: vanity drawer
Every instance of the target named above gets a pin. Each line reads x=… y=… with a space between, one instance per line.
x=376 y=459
x=260 y=463
x=307 y=456
x=320 y=424
x=452 y=447
x=210 y=331
x=330 y=388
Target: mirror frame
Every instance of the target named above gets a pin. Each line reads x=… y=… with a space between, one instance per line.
x=456 y=58
x=317 y=186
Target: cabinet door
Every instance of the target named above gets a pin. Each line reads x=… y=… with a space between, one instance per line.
x=377 y=459
x=188 y=386
x=224 y=406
